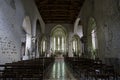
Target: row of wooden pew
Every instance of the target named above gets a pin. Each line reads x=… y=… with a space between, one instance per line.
x=28 y=69
x=89 y=69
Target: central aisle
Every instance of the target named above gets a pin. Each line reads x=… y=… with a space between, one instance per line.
x=59 y=71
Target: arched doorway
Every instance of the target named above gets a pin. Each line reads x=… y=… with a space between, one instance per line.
x=76 y=45
x=26 y=43
x=43 y=47
x=36 y=41
x=78 y=31
x=58 y=40
x=38 y=36
x=92 y=38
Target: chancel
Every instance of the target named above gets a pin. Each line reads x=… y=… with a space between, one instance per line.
x=59 y=40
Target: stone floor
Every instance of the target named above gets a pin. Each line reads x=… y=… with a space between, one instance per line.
x=59 y=71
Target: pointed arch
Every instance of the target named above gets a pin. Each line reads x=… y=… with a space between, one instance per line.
x=36 y=40
x=76 y=45
x=92 y=37
x=58 y=39
x=27 y=25
x=27 y=43
x=59 y=27
x=43 y=46
x=78 y=28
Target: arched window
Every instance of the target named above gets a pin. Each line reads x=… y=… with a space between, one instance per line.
x=43 y=46
x=27 y=29
x=76 y=45
x=92 y=38
x=58 y=43
x=63 y=43
x=54 y=41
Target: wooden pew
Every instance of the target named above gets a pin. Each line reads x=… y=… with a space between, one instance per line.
x=26 y=69
x=91 y=69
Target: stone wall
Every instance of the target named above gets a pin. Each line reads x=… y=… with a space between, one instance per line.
x=107 y=16
x=12 y=13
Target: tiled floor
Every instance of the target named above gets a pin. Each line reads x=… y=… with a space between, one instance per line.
x=59 y=71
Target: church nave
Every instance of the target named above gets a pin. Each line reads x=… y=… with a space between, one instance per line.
x=59 y=71
x=60 y=39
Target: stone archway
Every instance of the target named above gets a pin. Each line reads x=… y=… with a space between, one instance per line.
x=92 y=38
x=76 y=46
x=78 y=28
x=58 y=40
x=36 y=41
x=43 y=46
x=27 y=38
x=38 y=35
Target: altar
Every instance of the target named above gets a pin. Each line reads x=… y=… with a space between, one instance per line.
x=58 y=54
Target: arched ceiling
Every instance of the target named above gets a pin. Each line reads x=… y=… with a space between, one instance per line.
x=59 y=11
x=59 y=31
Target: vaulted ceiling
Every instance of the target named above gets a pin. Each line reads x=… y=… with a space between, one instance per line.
x=59 y=11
